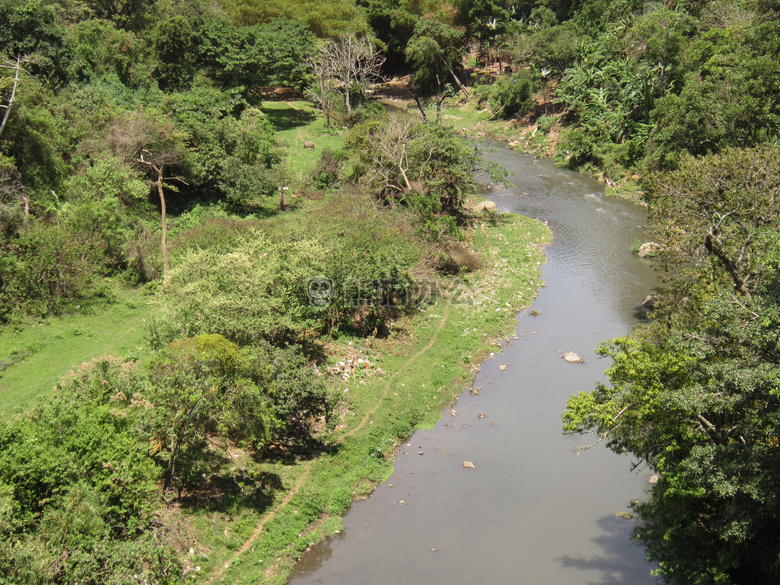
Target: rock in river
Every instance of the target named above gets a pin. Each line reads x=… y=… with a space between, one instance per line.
x=573 y=358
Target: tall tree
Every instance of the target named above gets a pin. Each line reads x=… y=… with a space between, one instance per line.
x=354 y=62
x=152 y=144
x=720 y=207
x=435 y=53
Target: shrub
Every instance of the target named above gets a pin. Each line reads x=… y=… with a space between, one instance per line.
x=328 y=169
x=510 y=97
x=77 y=487
x=206 y=388
x=254 y=292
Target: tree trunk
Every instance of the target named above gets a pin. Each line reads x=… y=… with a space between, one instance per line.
x=347 y=84
x=455 y=77
x=164 y=222
x=714 y=246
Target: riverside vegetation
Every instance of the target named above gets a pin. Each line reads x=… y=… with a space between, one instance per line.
x=157 y=166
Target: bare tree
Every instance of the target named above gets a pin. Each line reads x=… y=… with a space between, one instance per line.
x=322 y=67
x=352 y=61
x=156 y=162
x=389 y=151
x=17 y=69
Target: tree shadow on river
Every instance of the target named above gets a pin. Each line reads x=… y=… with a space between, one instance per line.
x=617 y=567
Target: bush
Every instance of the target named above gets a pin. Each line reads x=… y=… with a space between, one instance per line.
x=328 y=169
x=54 y=264
x=254 y=292
x=206 y=388
x=372 y=254
x=510 y=97
x=78 y=488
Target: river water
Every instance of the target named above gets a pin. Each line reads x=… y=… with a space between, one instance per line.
x=531 y=511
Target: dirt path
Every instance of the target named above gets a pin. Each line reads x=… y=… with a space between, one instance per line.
x=267 y=518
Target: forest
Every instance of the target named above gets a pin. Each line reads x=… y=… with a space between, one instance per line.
x=142 y=149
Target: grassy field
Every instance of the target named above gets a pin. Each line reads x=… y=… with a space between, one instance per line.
x=57 y=344
x=299 y=122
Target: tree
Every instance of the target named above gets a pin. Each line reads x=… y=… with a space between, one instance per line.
x=728 y=96
x=699 y=402
x=172 y=42
x=426 y=166
x=552 y=49
x=322 y=94
x=129 y=14
x=393 y=22
x=695 y=392
x=484 y=20
x=721 y=207
x=272 y=53
x=434 y=50
x=32 y=29
x=14 y=202
x=352 y=62
x=251 y=293
x=387 y=147
x=154 y=146
x=207 y=390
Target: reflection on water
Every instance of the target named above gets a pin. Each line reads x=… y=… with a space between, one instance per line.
x=530 y=511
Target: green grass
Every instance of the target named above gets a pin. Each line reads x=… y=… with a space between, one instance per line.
x=57 y=344
x=300 y=122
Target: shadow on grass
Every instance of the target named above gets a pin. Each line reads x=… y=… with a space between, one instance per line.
x=230 y=490
x=287 y=118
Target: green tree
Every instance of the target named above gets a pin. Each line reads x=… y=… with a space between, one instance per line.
x=106 y=50
x=552 y=49
x=150 y=143
x=327 y=19
x=729 y=97
x=126 y=14
x=435 y=53
x=511 y=96
x=428 y=167
x=700 y=403
x=31 y=29
x=173 y=45
x=393 y=22
x=272 y=53
x=695 y=392
x=207 y=390
x=720 y=207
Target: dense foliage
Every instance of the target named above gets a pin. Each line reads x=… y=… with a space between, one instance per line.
x=696 y=393
x=79 y=489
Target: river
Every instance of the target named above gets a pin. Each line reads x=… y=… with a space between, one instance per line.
x=531 y=511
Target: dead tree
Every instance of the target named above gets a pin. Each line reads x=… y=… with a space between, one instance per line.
x=17 y=69
x=353 y=60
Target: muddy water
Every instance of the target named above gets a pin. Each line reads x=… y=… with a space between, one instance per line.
x=530 y=511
